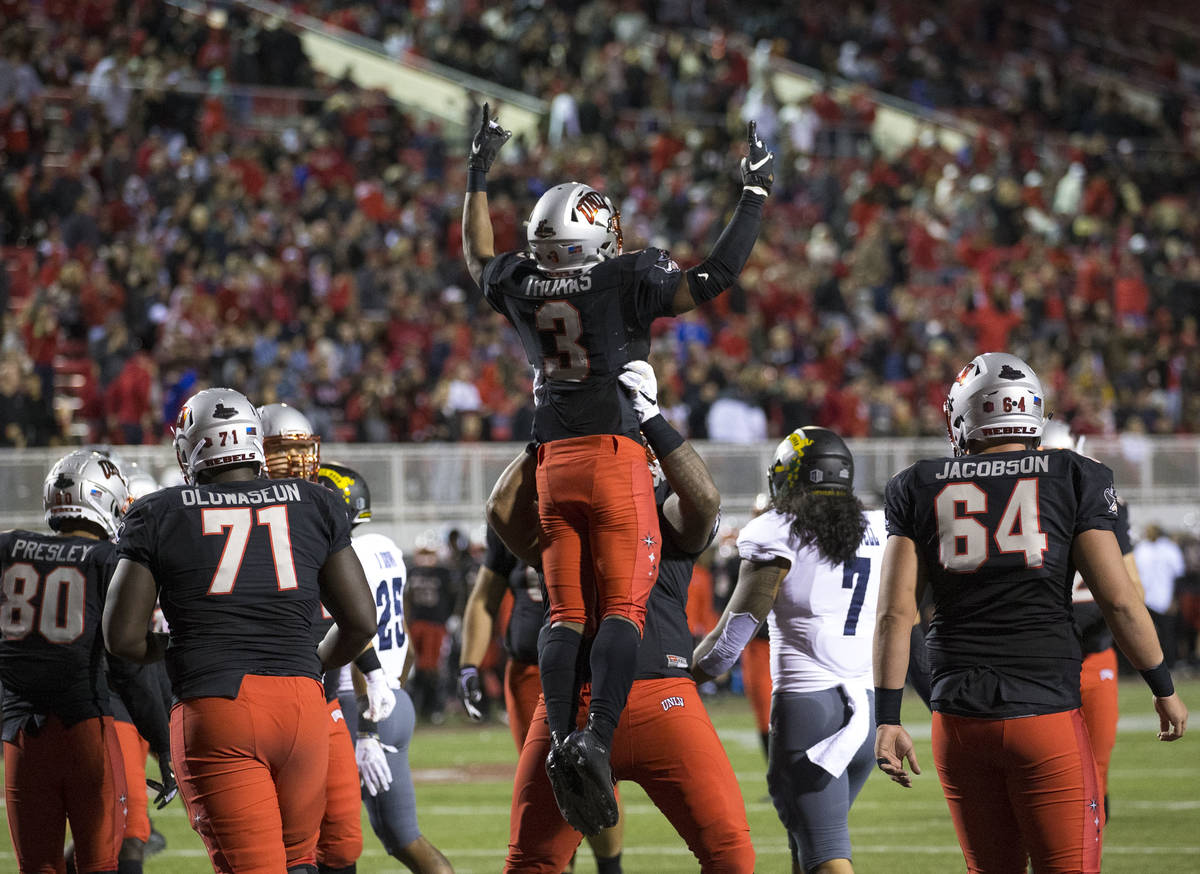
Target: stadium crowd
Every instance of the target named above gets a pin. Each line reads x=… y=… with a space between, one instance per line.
x=165 y=229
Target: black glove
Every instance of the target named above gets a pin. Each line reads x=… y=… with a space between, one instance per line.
x=758 y=168
x=167 y=789
x=470 y=692
x=487 y=142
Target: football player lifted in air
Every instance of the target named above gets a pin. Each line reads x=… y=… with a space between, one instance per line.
x=997 y=532
x=810 y=569
x=583 y=309
x=382 y=737
x=665 y=740
x=241 y=565
x=62 y=759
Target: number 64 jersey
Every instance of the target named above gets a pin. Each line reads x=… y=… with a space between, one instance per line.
x=994 y=532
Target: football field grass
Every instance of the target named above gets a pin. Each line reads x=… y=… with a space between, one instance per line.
x=464 y=785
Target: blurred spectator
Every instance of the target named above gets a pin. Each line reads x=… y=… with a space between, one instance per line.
x=1160 y=564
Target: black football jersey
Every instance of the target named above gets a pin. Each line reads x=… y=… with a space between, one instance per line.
x=529 y=603
x=431 y=593
x=1094 y=634
x=579 y=331
x=995 y=534
x=236 y=565
x=52 y=652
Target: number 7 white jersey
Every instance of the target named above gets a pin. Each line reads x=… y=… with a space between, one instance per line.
x=383 y=563
x=823 y=618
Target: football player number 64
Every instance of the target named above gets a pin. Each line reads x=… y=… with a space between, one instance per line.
x=963 y=541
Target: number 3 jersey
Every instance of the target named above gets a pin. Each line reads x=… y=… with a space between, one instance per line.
x=52 y=651
x=236 y=566
x=994 y=532
x=823 y=619
x=579 y=331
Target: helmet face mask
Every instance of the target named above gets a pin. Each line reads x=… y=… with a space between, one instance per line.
x=291 y=447
x=350 y=485
x=996 y=396
x=811 y=458
x=573 y=227
x=84 y=485
x=216 y=428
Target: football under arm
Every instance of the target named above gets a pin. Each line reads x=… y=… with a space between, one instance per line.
x=128 y=608
x=479 y=616
x=1099 y=559
x=347 y=596
x=757 y=585
x=690 y=513
x=478 y=242
x=729 y=255
x=897 y=612
x=512 y=509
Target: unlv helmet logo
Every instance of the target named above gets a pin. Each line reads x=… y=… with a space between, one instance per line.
x=223 y=412
x=543 y=230
x=1008 y=372
x=110 y=469
x=590 y=204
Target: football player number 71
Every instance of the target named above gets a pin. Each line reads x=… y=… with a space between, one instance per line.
x=238 y=521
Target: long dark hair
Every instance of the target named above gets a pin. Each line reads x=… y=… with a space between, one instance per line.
x=833 y=522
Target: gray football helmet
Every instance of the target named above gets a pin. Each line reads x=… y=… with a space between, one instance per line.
x=996 y=395
x=1058 y=435
x=291 y=447
x=85 y=485
x=216 y=428
x=573 y=227
x=141 y=481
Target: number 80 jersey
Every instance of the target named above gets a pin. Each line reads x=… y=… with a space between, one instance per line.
x=994 y=532
x=579 y=331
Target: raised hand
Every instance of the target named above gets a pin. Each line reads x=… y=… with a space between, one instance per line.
x=487 y=142
x=758 y=167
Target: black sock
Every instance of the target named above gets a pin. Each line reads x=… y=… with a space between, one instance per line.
x=352 y=868
x=556 y=664
x=129 y=866
x=611 y=865
x=765 y=738
x=614 y=664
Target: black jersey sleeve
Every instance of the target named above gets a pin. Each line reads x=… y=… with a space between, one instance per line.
x=137 y=534
x=1124 y=539
x=499 y=560
x=656 y=279
x=1097 y=496
x=334 y=512
x=897 y=505
x=491 y=280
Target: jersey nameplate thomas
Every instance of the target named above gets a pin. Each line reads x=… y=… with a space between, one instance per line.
x=999 y=467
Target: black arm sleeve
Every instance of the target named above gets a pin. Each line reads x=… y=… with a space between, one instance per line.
x=918 y=665
x=719 y=270
x=142 y=692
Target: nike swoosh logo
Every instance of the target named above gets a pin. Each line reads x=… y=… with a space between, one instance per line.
x=474 y=148
x=760 y=163
x=702 y=275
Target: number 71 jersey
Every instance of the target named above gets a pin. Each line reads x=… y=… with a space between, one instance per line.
x=995 y=532
x=579 y=331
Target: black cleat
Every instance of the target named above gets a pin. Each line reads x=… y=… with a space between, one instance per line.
x=597 y=802
x=565 y=782
x=156 y=842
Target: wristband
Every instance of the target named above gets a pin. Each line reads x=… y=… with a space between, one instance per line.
x=367 y=727
x=1158 y=678
x=476 y=179
x=887 y=706
x=368 y=660
x=661 y=435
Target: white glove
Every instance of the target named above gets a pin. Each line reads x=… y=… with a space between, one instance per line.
x=639 y=382
x=380 y=697
x=373 y=765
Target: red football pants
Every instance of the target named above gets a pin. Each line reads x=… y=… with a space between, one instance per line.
x=1021 y=788
x=756 y=678
x=522 y=688
x=134 y=751
x=1098 y=692
x=340 y=842
x=250 y=769
x=666 y=743
x=600 y=537
x=65 y=774
x=427 y=639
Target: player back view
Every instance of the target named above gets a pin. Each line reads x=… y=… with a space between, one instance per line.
x=240 y=563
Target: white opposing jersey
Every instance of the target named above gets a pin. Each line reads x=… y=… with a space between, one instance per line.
x=823 y=618
x=383 y=564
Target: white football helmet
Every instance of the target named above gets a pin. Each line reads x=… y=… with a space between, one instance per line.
x=141 y=481
x=996 y=395
x=85 y=485
x=573 y=227
x=291 y=447
x=217 y=427
x=1058 y=435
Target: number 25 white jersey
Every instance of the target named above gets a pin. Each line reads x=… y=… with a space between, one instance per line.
x=383 y=564
x=823 y=618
